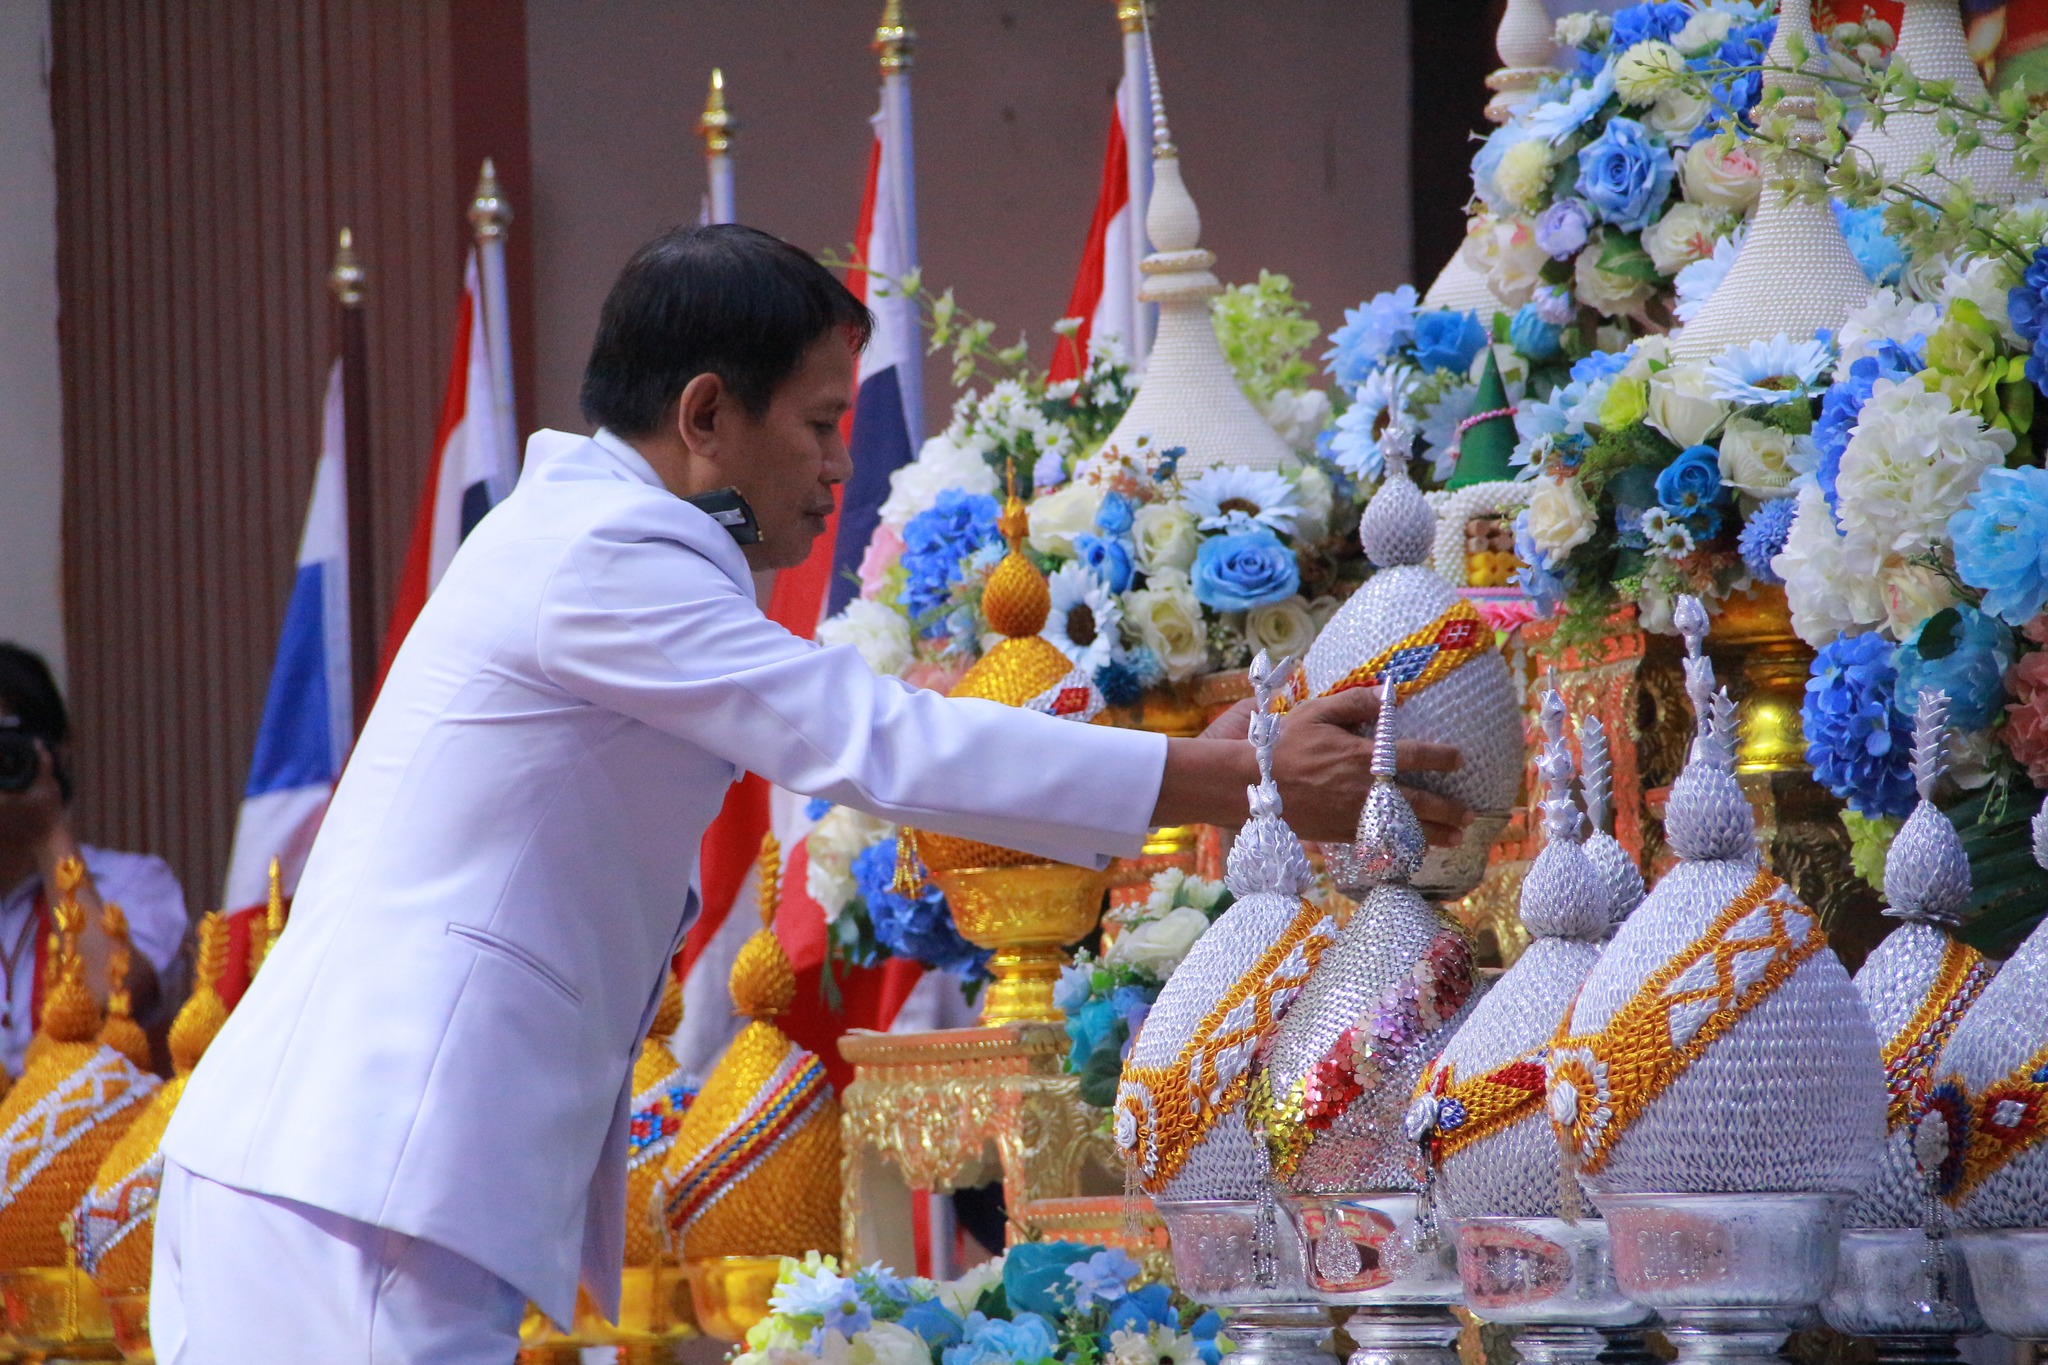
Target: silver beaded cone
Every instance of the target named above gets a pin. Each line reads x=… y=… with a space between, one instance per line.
x=1933 y=47
x=1918 y=983
x=1331 y=1096
x=1615 y=864
x=1993 y=1091
x=1407 y=622
x=1179 y=1121
x=1718 y=1046
x=1479 y=1110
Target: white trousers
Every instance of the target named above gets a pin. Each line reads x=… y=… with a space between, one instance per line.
x=243 y=1279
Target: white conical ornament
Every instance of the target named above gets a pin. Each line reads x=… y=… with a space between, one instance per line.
x=1616 y=865
x=1525 y=43
x=1795 y=273
x=1479 y=1110
x=1189 y=397
x=1932 y=46
x=1179 y=1120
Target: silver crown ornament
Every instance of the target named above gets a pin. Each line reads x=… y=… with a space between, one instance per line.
x=1899 y=1281
x=1717 y=1082
x=1179 y=1119
x=1331 y=1094
x=1991 y=1095
x=1409 y=624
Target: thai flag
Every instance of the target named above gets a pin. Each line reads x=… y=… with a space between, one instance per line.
x=1105 y=296
x=308 y=716
x=883 y=434
x=476 y=459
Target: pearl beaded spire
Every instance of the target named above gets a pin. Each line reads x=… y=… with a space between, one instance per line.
x=1617 y=869
x=1932 y=46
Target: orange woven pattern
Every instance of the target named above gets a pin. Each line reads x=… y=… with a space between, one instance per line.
x=1910 y=1055
x=1600 y=1083
x=1015 y=599
x=56 y=1127
x=116 y=1221
x=657 y=1082
x=1014 y=671
x=1164 y=1112
x=2010 y=1116
x=1418 y=659
x=1480 y=1106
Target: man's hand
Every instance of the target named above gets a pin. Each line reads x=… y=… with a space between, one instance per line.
x=1323 y=769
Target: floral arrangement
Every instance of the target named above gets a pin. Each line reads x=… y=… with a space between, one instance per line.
x=1048 y=1301
x=851 y=874
x=1107 y=993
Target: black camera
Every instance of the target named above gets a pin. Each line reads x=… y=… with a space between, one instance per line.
x=21 y=758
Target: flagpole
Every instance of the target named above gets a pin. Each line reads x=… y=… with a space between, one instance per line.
x=490 y=213
x=347 y=280
x=894 y=42
x=715 y=126
x=1136 y=114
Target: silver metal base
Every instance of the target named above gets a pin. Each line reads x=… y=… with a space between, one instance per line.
x=1408 y=1334
x=1553 y=1344
x=1627 y=1346
x=1281 y=1334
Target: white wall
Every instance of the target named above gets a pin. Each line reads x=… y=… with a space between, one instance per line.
x=31 y=398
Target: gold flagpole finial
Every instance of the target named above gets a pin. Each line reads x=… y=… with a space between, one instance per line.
x=894 y=39
x=273 y=911
x=768 y=875
x=715 y=124
x=1130 y=15
x=348 y=277
x=489 y=211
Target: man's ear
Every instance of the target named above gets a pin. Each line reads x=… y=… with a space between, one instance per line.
x=699 y=409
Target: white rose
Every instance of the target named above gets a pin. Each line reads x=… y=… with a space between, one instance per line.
x=889 y=1343
x=1682 y=236
x=1681 y=406
x=1646 y=71
x=1523 y=173
x=1158 y=945
x=1651 y=355
x=1061 y=515
x=940 y=465
x=1505 y=251
x=1165 y=538
x=1988 y=284
x=1322 y=609
x=831 y=846
x=1718 y=179
x=1706 y=30
x=1612 y=294
x=1560 y=518
x=1677 y=113
x=880 y=634
x=1912 y=593
x=960 y=1295
x=1759 y=459
x=1169 y=623
x=1282 y=628
x=1299 y=416
x=1576 y=30
x=1316 y=498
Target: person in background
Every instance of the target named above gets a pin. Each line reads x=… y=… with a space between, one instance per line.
x=35 y=835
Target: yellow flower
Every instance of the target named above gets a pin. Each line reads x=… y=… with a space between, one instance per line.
x=1524 y=172
x=1626 y=402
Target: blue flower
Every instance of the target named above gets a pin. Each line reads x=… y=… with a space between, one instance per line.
x=1244 y=569
x=935 y=542
x=1691 y=484
x=1049 y=470
x=934 y=1322
x=1646 y=23
x=1021 y=1340
x=2027 y=301
x=1092 y=1027
x=1146 y=1307
x=1114 y=516
x=1370 y=330
x=1540 y=341
x=1964 y=653
x=1036 y=1282
x=1204 y=1329
x=1132 y=1004
x=1071 y=991
x=1882 y=257
x=1535 y=578
x=2001 y=542
x=1555 y=120
x=1859 y=744
x=1109 y=559
x=1447 y=341
x=1842 y=405
x=1735 y=93
x=1625 y=174
x=1102 y=1278
x=1562 y=228
x=922 y=929
x=815 y=808
x=1118 y=682
x=1146 y=665
x=1591 y=369
x=848 y=1316
x=884 y=1282
x=1763 y=536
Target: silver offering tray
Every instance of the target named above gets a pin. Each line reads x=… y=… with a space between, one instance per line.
x=1242 y=1255
x=2009 y=1272
x=1904 y=1290
x=1551 y=1278
x=1367 y=1251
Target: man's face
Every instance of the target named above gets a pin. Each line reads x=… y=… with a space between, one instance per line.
x=788 y=460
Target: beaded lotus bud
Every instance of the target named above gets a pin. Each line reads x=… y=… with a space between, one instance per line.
x=120 y=1031
x=754 y=1165
x=1617 y=867
x=1407 y=623
x=1992 y=1092
x=1718 y=1046
x=1179 y=1119
x=1331 y=1096
x=661 y=1096
x=1918 y=983
x=1479 y=1110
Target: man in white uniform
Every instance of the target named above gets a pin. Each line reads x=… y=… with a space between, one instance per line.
x=416 y=1119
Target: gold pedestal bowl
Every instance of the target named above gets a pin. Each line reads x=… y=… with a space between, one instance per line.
x=731 y=1293
x=56 y=1313
x=1025 y=914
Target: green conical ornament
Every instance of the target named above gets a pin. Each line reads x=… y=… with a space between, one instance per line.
x=1484 y=449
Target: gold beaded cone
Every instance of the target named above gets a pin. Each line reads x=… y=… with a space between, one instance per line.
x=754 y=1172
x=657 y=1115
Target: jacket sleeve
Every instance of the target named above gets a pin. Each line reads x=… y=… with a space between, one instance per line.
x=646 y=626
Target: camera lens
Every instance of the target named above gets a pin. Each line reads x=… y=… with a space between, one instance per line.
x=20 y=761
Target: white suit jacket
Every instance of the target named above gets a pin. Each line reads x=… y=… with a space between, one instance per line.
x=441 y=1044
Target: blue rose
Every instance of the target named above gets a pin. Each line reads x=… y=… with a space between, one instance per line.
x=1540 y=341
x=1037 y=1282
x=1858 y=742
x=934 y=1322
x=1109 y=559
x=1964 y=653
x=1691 y=484
x=1023 y=1339
x=1447 y=341
x=1146 y=1307
x=1625 y=174
x=2001 y=542
x=1244 y=569
x=1562 y=228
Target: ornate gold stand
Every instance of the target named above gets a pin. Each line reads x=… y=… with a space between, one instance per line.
x=1026 y=915
x=731 y=1293
x=653 y=1324
x=54 y=1314
x=955 y=1109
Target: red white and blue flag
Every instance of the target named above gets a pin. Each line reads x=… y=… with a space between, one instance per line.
x=1105 y=297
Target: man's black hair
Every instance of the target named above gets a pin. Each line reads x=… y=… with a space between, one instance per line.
x=725 y=300
x=28 y=690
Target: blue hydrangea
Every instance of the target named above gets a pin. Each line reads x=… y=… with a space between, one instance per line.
x=1858 y=742
x=1763 y=536
x=1625 y=174
x=2028 y=304
x=1102 y=1278
x=935 y=542
x=1735 y=93
x=1540 y=341
x=815 y=808
x=933 y=1321
x=1370 y=331
x=1842 y=405
x=1964 y=653
x=1655 y=22
x=2001 y=542
x=1447 y=341
x=922 y=929
x=1244 y=569
x=1146 y=1307
x=1882 y=257
x=1591 y=369
x=1132 y=1004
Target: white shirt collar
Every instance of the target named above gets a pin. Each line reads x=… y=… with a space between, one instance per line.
x=635 y=463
